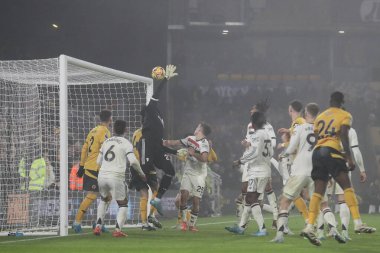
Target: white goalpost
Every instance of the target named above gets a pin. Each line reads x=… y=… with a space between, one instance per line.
x=48 y=107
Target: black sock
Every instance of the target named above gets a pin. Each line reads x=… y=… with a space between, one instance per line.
x=164 y=185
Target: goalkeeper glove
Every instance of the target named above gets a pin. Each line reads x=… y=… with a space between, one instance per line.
x=80 y=172
x=170 y=71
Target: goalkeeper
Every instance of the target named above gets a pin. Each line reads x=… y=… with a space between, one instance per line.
x=153 y=152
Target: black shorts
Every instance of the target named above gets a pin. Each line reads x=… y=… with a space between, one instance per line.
x=152 y=155
x=327 y=161
x=89 y=183
x=138 y=184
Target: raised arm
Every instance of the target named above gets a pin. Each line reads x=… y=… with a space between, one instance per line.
x=294 y=142
x=354 y=145
x=169 y=73
x=173 y=143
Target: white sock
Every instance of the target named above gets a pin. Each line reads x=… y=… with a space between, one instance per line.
x=268 y=208
x=239 y=208
x=358 y=222
x=101 y=212
x=273 y=203
x=121 y=217
x=337 y=208
x=329 y=217
x=184 y=213
x=320 y=223
x=258 y=216
x=245 y=216
x=193 y=219
x=372 y=209
x=309 y=227
x=282 y=222
x=345 y=215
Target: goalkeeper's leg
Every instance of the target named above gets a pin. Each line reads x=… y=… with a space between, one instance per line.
x=163 y=163
x=152 y=181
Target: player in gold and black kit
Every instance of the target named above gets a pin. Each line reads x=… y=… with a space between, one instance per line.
x=331 y=129
x=88 y=168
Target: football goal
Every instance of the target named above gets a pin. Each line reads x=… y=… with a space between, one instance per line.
x=47 y=108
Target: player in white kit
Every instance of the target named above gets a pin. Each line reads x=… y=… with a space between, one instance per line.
x=258 y=158
x=261 y=106
x=301 y=144
x=195 y=172
x=113 y=157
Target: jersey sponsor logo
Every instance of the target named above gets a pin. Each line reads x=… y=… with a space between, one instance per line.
x=196 y=144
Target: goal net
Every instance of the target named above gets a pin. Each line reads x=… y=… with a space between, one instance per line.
x=48 y=106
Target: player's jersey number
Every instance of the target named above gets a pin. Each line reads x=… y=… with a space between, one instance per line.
x=267 y=145
x=91 y=142
x=110 y=155
x=326 y=131
x=310 y=138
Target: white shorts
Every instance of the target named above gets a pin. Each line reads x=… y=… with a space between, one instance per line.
x=195 y=185
x=338 y=189
x=296 y=184
x=257 y=184
x=284 y=168
x=244 y=175
x=113 y=187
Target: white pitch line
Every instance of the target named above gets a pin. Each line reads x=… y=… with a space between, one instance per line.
x=50 y=237
x=42 y=238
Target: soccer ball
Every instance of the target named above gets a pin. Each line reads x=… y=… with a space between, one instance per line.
x=158 y=73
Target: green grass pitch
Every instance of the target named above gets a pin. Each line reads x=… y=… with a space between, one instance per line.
x=211 y=238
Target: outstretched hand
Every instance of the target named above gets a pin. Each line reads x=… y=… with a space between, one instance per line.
x=170 y=71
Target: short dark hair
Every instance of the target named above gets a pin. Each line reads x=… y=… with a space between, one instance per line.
x=262 y=105
x=119 y=127
x=206 y=129
x=313 y=109
x=296 y=105
x=258 y=119
x=105 y=115
x=337 y=98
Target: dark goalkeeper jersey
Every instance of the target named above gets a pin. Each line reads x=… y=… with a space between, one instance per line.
x=153 y=122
